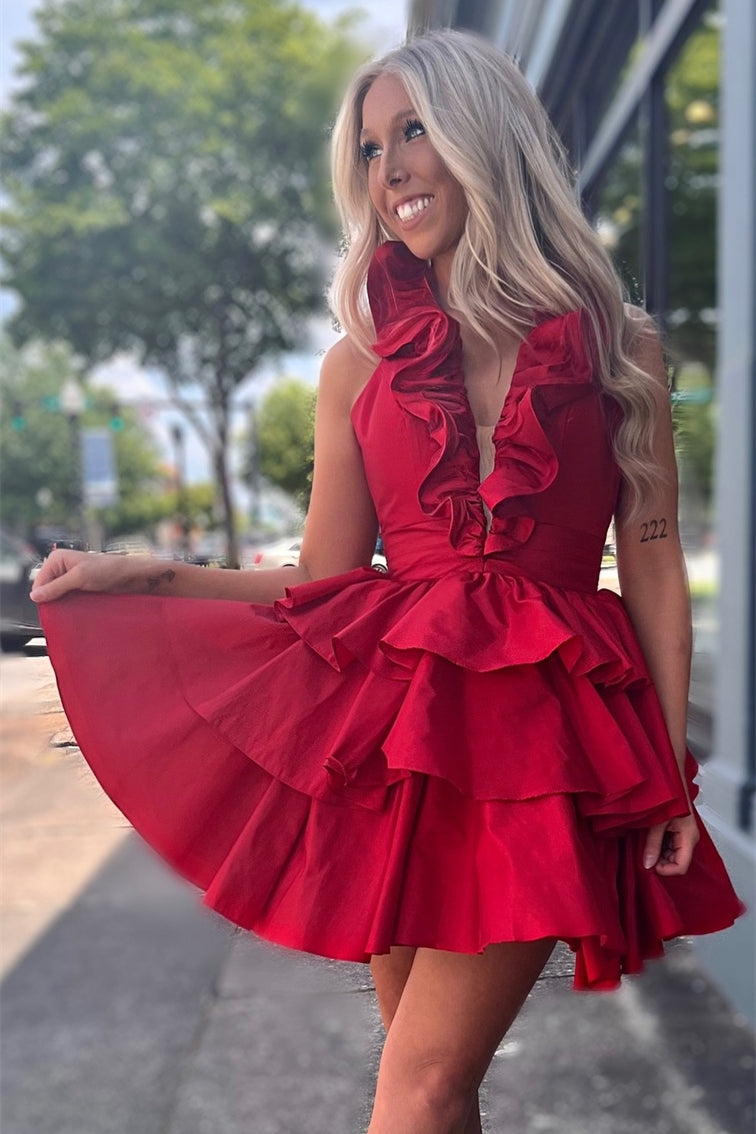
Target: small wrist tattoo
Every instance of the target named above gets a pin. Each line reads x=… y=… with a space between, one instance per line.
x=154 y=581
x=653 y=529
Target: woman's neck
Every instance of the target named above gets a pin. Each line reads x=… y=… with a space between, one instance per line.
x=442 y=266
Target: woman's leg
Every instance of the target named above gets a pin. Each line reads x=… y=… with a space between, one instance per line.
x=451 y=1016
x=390 y=973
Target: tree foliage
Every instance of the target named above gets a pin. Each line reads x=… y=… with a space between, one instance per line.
x=282 y=442
x=143 y=510
x=166 y=186
x=38 y=463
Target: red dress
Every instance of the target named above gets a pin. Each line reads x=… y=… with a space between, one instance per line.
x=465 y=751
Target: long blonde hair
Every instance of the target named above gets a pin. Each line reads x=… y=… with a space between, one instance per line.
x=526 y=246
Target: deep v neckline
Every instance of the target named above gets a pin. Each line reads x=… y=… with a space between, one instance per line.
x=493 y=426
x=429 y=282
x=420 y=375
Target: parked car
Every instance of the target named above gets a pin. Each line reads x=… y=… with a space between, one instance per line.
x=285 y=553
x=129 y=545
x=209 y=549
x=379 y=557
x=609 y=556
x=282 y=553
x=47 y=537
x=19 y=617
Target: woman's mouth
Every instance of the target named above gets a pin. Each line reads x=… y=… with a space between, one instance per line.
x=409 y=211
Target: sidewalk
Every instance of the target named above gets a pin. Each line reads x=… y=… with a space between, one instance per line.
x=137 y=1013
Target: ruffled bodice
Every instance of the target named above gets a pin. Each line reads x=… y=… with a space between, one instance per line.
x=466 y=750
x=549 y=495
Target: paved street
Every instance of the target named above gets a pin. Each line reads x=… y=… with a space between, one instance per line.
x=127 y=1009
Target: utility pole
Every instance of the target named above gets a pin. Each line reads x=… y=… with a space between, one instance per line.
x=73 y=402
x=179 y=461
x=254 y=466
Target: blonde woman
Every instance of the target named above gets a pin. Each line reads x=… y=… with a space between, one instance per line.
x=444 y=770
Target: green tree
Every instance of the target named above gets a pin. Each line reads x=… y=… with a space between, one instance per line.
x=142 y=510
x=40 y=477
x=165 y=179
x=281 y=439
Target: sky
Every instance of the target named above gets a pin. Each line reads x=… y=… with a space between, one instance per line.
x=385 y=24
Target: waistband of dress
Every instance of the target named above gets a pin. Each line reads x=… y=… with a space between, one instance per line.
x=554 y=555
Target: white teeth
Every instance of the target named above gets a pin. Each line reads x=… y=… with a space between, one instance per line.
x=412 y=208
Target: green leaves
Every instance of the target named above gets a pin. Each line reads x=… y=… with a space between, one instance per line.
x=166 y=188
x=282 y=440
x=161 y=147
x=36 y=452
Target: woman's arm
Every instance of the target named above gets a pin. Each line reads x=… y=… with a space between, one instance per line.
x=339 y=534
x=654 y=590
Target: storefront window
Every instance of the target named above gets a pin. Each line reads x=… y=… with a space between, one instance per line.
x=690 y=318
x=692 y=105
x=615 y=62
x=617 y=206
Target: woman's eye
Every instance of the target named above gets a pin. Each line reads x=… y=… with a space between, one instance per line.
x=369 y=150
x=413 y=128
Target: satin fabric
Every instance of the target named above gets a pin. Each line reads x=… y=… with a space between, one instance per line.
x=464 y=751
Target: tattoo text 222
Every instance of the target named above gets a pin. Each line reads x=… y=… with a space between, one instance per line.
x=653 y=529
x=154 y=581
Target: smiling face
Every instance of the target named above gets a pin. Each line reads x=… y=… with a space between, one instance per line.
x=412 y=191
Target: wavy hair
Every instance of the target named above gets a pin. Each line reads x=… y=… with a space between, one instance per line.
x=526 y=246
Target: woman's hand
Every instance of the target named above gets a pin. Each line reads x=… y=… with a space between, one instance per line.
x=64 y=571
x=669 y=846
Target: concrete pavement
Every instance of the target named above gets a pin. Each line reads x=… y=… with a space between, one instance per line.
x=130 y=1010
x=138 y=1013
x=57 y=827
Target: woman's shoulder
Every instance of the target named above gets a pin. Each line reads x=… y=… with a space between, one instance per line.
x=345 y=370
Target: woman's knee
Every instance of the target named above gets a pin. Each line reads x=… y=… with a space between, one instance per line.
x=443 y=1083
x=445 y=1090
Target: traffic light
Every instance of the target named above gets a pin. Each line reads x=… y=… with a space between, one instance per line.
x=18 y=420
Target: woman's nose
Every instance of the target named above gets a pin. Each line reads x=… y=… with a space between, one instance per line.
x=392 y=171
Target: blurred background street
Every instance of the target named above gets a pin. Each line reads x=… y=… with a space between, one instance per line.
x=129 y=1009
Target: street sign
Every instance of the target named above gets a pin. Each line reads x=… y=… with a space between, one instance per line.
x=99 y=474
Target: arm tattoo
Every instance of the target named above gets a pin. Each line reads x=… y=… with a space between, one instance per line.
x=653 y=529
x=154 y=581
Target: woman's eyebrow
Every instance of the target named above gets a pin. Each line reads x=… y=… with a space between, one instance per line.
x=397 y=118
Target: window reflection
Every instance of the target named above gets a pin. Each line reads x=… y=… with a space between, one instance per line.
x=616 y=61
x=689 y=262
x=618 y=212
x=692 y=104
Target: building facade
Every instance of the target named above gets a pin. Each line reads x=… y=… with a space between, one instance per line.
x=655 y=101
